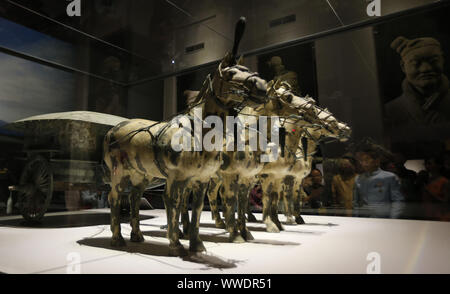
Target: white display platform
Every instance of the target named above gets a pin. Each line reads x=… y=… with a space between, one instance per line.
x=323 y=245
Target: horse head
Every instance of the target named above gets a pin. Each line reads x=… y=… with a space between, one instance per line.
x=317 y=122
x=235 y=84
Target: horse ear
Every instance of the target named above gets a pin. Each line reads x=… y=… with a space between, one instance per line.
x=241 y=60
x=190 y=96
x=227 y=61
x=278 y=84
x=270 y=87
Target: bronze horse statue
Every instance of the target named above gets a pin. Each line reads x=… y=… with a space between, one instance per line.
x=136 y=151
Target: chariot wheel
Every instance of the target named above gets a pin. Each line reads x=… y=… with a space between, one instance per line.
x=36 y=189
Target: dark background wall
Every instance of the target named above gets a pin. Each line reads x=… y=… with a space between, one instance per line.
x=146 y=101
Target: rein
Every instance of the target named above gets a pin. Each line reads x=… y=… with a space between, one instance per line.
x=207 y=86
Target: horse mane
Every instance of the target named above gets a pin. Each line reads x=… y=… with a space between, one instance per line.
x=197 y=97
x=191 y=96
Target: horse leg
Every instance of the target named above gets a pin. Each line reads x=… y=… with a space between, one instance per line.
x=250 y=217
x=118 y=186
x=287 y=192
x=185 y=213
x=172 y=200
x=135 y=201
x=244 y=189
x=229 y=191
x=267 y=188
x=195 y=243
x=274 y=205
x=296 y=203
x=213 y=190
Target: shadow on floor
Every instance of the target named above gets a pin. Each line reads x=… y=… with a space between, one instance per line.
x=251 y=228
x=218 y=238
x=213 y=226
x=323 y=225
x=215 y=238
x=273 y=242
x=286 y=229
x=304 y=232
x=254 y=222
x=68 y=221
x=223 y=238
x=284 y=223
x=160 y=249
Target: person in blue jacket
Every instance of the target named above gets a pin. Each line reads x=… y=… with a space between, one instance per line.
x=377 y=190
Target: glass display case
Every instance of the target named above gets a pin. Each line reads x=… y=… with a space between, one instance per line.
x=73 y=70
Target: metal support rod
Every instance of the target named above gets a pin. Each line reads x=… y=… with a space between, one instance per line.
x=56 y=65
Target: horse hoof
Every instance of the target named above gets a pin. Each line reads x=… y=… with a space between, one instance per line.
x=299 y=220
x=290 y=221
x=177 y=250
x=247 y=236
x=118 y=242
x=279 y=225
x=197 y=246
x=137 y=237
x=271 y=227
x=236 y=239
x=220 y=224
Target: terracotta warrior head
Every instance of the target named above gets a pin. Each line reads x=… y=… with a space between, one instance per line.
x=422 y=61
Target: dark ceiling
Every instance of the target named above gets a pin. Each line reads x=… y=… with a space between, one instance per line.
x=151 y=37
